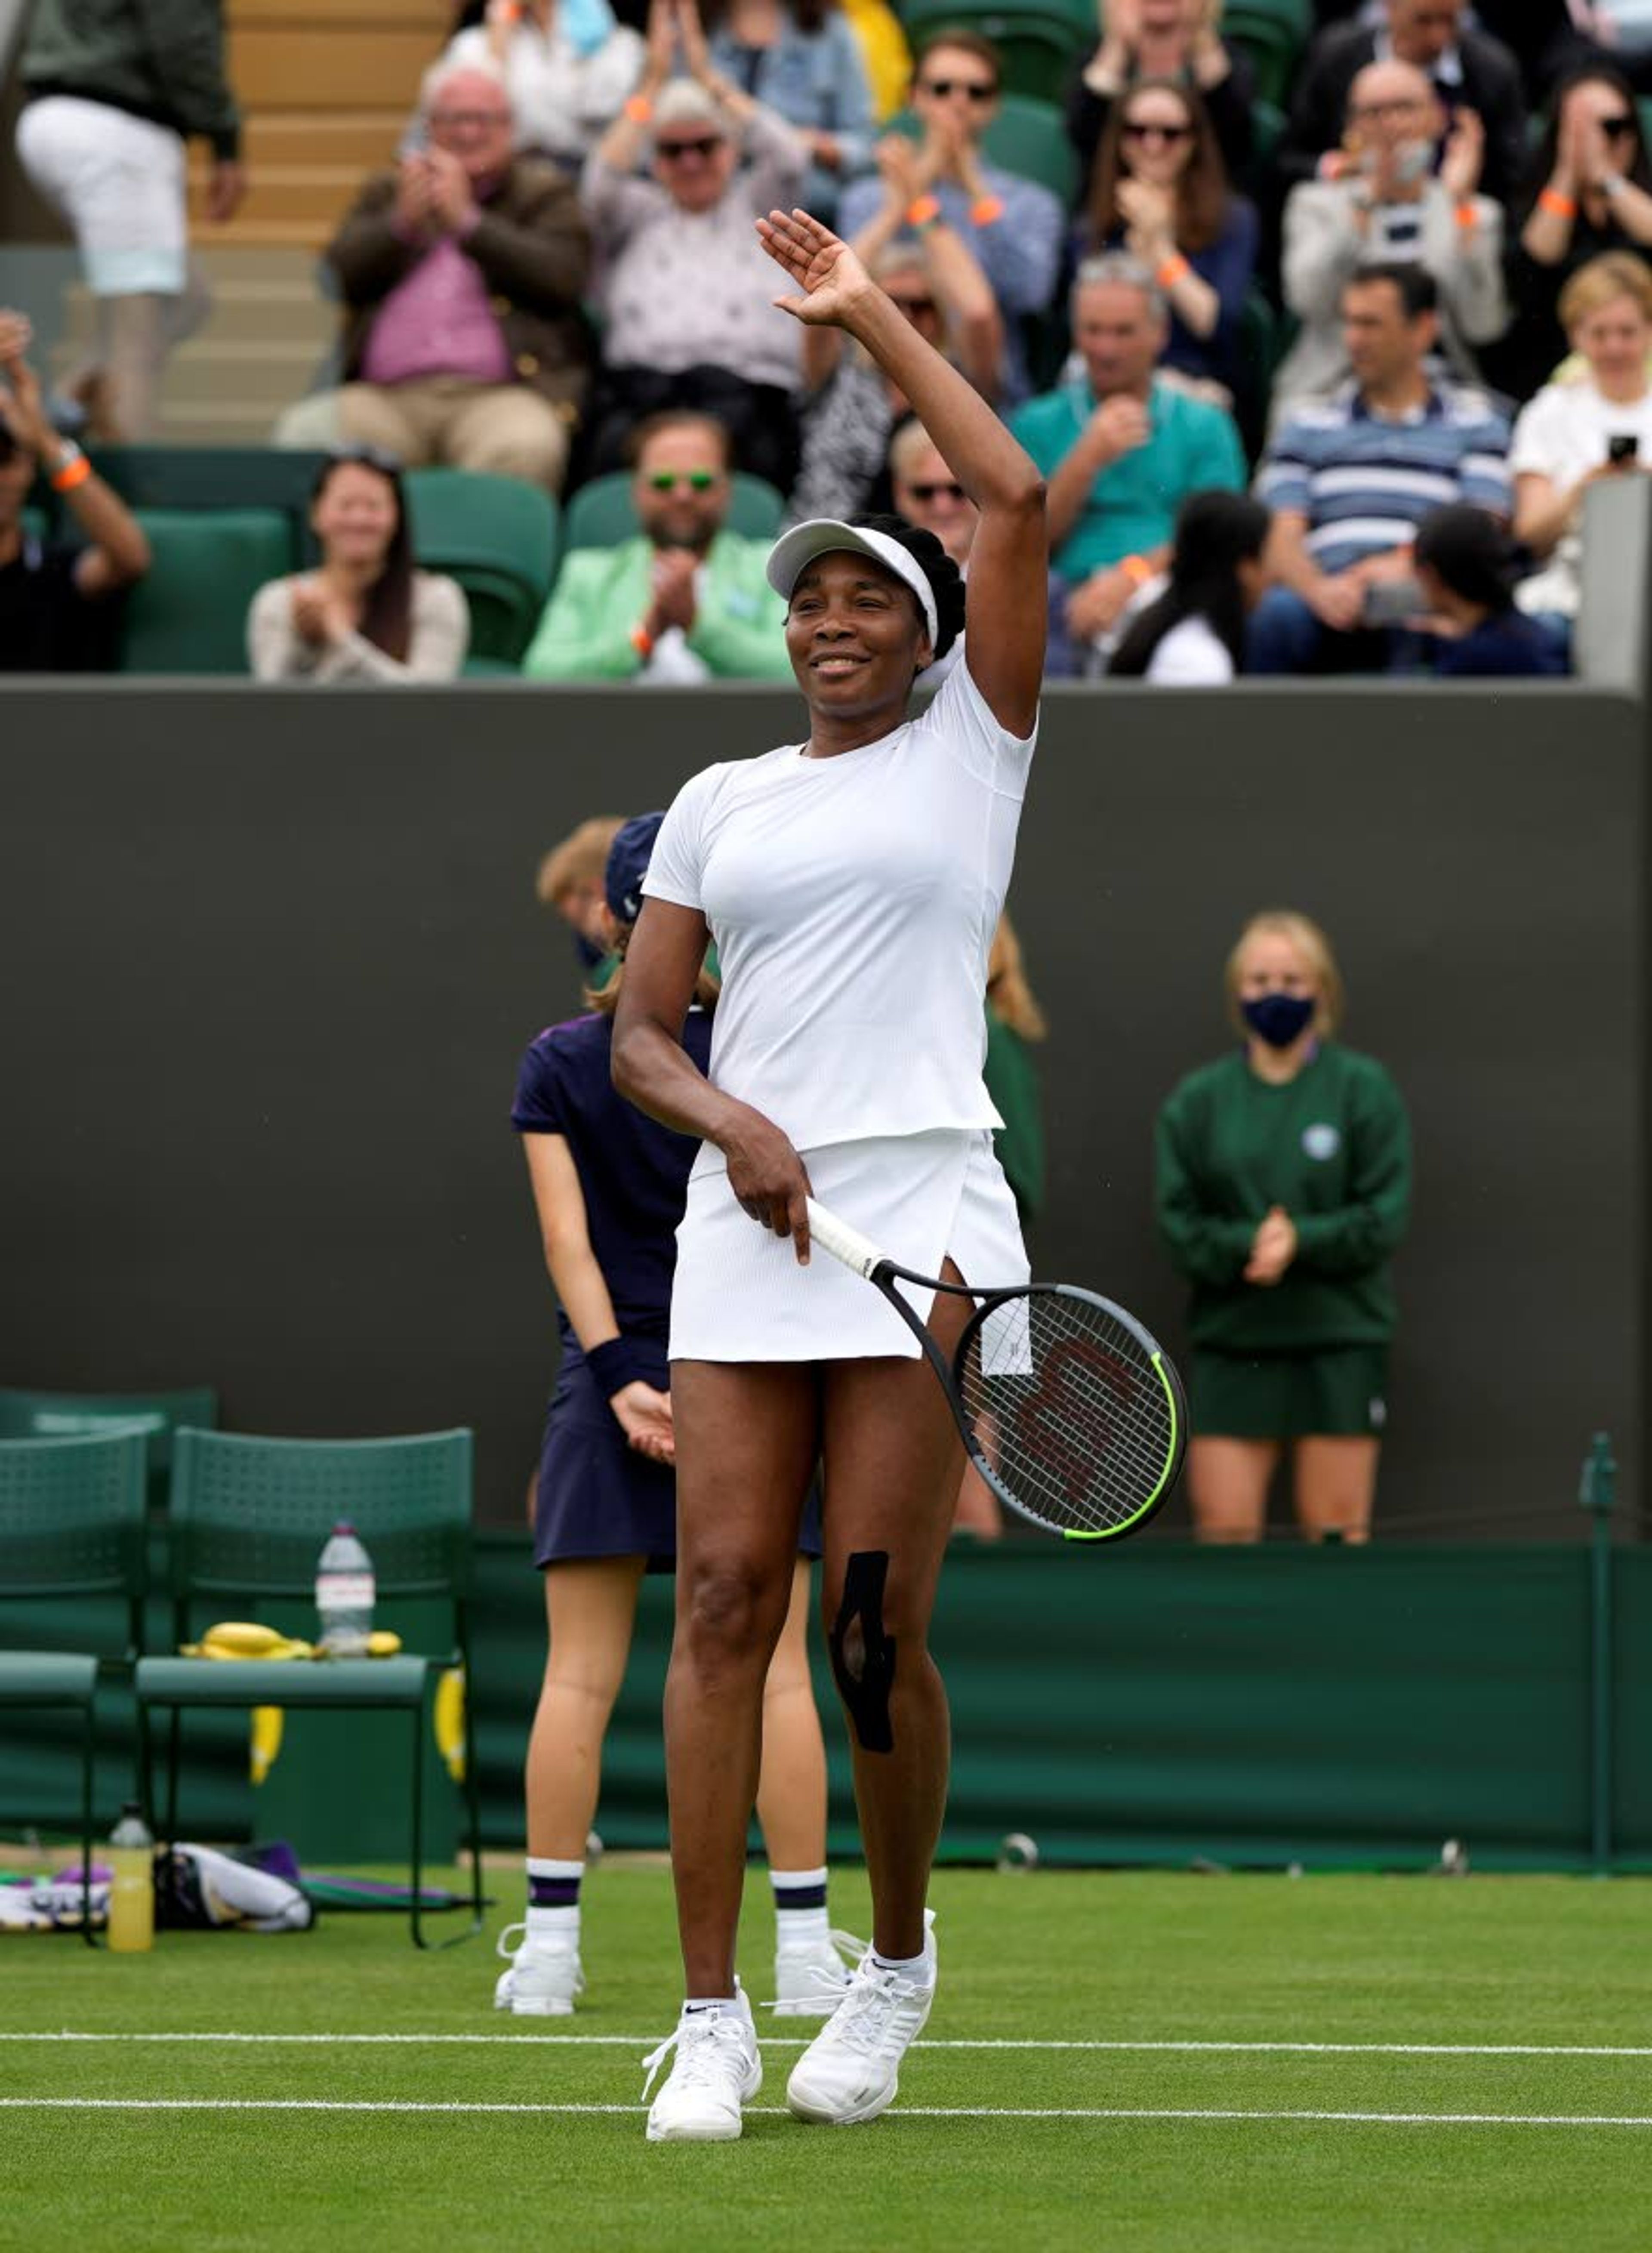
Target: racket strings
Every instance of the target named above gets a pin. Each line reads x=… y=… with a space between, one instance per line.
x=1068 y=1410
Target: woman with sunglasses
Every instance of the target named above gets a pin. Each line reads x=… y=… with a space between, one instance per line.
x=1159 y=191
x=1589 y=189
x=364 y=613
x=1176 y=40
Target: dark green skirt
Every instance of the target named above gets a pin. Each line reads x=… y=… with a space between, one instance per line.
x=1339 y=1392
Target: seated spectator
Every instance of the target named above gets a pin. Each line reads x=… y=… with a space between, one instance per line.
x=364 y=614
x=1467 y=568
x=1121 y=445
x=1193 y=635
x=1598 y=425
x=800 y=58
x=1350 y=480
x=685 y=292
x=571 y=883
x=1467 y=69
x=851 y=407
x=927 y=494
x=57 y=614
x=1159 y=191
x=567 y=65
x=1176 y=40
x=461 y=273
x=1589 y=189
x=1013 y=227
x=1386 y=206
x=686 y=600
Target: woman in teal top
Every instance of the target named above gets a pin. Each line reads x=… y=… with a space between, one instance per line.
x=1283 y=1185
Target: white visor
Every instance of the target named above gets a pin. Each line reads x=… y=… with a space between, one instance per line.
x=824 y=535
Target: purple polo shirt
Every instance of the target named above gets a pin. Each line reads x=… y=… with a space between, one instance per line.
x=437 y=321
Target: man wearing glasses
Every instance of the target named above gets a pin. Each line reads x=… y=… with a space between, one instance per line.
x=686 y=600
x=1014 y=228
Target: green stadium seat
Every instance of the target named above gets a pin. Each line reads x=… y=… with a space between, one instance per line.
x=1041 y=45
x=216 y=478
x=32 y=1415
x=498 y=537
x=189 y=614
x=601 y=513
x=1026 y=138
x=1273 y=33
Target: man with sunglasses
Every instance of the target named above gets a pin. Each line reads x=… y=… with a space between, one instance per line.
x=686 y=600
x=1468 y=68
x=56 y=612
x=1014 y=228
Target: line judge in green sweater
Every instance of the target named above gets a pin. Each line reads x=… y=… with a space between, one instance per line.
x=1283 y=1185
x=683 y=601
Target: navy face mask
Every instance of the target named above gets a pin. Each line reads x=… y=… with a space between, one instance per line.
x=1278 y=1018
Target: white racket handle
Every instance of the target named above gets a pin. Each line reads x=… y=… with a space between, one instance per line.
x=843 y=1242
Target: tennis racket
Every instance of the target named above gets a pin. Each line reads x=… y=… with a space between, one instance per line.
x=1071 y=1412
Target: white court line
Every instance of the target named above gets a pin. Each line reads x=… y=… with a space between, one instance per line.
x=802 y=2041
x=780 y=2112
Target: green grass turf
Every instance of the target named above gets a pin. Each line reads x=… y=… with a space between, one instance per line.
x=1045 y=1955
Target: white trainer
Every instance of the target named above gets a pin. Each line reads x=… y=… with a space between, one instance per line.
x=543 y=1978
x=811 y=1978
x=851 y=2071
x=715 y=2071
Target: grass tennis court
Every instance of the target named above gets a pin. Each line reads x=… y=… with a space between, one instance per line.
x=1218 y=2062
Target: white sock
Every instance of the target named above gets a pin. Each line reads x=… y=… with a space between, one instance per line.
x=554 y=1915
x=800 y=1907
x=911 y=1964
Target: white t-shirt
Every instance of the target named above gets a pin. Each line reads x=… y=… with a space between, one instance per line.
x=1562 y=434
x=1191 y=656
x=853 y=901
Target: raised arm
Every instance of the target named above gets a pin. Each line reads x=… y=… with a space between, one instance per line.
x=1005 y=617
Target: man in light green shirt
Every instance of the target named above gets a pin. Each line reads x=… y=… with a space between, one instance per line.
x=684 y=600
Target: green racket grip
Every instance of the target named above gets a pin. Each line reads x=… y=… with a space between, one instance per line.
x=843 y=1242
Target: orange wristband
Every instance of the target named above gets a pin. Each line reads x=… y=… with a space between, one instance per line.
x=1468 y=217
x=639 y=109
x=1137 y=570
x=1563 y=207
x=923 y=211
x=1173 y=269
x=643 y=642
x=72 y=473
x=986 y=209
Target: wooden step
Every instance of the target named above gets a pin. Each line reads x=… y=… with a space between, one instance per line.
x=431 y=18
x=296 y=194
x=364 y=140
x=328 y=69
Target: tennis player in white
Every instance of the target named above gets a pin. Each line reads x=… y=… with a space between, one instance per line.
x=852 y=883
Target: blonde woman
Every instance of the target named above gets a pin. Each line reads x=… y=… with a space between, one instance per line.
x=1283 y=1187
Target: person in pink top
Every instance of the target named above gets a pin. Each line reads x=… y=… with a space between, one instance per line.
x=461 y=273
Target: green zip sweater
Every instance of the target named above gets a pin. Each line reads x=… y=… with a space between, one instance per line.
x=1333 y=1147
x=162 y=60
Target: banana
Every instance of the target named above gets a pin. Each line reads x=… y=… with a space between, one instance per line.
x=381 y=1644
x=244 y=1638
x=268 y=1722
x=447 y=1721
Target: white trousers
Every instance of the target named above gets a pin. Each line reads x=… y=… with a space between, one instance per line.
x=119 y=181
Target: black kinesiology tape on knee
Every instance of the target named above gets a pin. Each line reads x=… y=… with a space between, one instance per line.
x=864 y=1682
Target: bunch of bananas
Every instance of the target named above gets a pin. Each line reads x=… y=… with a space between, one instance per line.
x=249 y=1639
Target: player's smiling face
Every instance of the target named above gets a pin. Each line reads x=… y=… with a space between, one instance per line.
x=853 y=634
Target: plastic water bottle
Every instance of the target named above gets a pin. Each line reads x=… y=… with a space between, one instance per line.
x=345 y=1594
x=132 y=1889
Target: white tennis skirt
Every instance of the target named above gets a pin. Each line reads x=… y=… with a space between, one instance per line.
x=739 y=1296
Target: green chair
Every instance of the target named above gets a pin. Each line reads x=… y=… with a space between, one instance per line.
x=189 y=613
x=249 y=1519
x=498 y=538
x=27 y=1415
x=72 y=1525
x=602 y=514
x=1039 y=45
x=1028 y=138
x=214 y=478
x=1273 y=33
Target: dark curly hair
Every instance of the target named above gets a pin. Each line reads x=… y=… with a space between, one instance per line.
x=947 y=580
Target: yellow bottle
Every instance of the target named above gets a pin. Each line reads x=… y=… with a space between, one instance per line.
x=132 y=1892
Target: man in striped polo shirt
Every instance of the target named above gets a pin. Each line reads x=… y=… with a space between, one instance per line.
x=1350 y=480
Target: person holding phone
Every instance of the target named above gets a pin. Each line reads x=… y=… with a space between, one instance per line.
x=1573 y=434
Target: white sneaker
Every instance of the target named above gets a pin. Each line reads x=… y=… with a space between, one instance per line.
x=851 y=2071
x=543 y=1978
x=811 y=1978
x=715 y=2071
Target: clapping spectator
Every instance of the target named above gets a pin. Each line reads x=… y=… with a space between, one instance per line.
x=1589 y=189
x=1013 y=227
x=1176 y=40
x=1387 y=205
x=567 y=65
x=461 y=273
x=1466 y=568
x=800 y=58
x=686 y=293
x=1121 y=446
x=1159 y=191
x=364 y=613
x=1192 y=636
x=1469 y=70
x=114 y=93
x=1589 y=427
x=851 y=406
x=686 y=599
x=56 y=610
